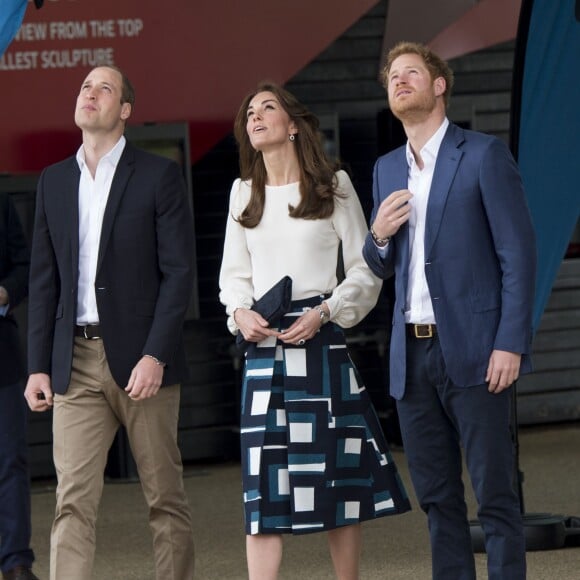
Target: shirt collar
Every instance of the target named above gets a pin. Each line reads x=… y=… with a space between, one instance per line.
x=112 y=156
x=431 y=148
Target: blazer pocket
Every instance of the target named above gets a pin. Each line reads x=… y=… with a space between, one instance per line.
x=145 y=308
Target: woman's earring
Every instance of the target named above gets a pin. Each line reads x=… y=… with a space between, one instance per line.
x=291 y=137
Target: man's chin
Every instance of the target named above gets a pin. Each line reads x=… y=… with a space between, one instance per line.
x=402 y=112
x=412 y=113
x=81 y=121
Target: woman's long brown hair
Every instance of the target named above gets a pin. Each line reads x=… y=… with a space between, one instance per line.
x=317 y=173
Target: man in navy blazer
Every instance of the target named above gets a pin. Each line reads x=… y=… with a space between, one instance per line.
x=451 y=222
x=110 y=281
x=16 y=557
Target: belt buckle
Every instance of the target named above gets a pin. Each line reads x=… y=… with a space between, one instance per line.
x=86 y=336
x=428 y=333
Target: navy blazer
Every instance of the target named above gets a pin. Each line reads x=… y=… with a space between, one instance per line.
x=144 y=270
x=14 y=262
x=480 y=256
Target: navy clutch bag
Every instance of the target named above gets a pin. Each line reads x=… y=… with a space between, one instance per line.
x=271 y=306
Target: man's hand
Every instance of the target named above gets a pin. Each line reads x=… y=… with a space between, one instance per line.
x=393 y=212
x=252 y=325
x=503 y=370
x=145 y=379
x=38 y=392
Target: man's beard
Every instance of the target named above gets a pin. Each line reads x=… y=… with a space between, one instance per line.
x=415 y=108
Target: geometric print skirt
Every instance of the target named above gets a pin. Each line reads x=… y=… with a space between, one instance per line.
x=314 y=456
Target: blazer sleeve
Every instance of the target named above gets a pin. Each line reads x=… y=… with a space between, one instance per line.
x=381 y=266
x=174 y=234
x=44 y=289
x=514 y=240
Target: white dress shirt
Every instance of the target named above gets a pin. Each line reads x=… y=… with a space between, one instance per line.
x=418 y=306
x=93 y=196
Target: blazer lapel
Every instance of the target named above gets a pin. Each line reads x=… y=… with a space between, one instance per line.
x=445 y=168
x=70 y=209
x=118 y=186
x=398 y=178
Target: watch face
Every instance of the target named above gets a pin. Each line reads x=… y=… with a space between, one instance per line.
x=324 y=317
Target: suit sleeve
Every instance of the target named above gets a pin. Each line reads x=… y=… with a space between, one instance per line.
x=380 y=266
x=514 y=240
x=44 y=290
x=174 y=231
x=15 y=280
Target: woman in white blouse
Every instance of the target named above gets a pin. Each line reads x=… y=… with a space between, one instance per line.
x=313 y=454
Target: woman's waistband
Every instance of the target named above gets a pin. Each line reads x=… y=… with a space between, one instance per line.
x=312 y=301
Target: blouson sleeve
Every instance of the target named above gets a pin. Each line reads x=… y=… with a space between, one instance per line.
x=235 y=279
x=358 y=293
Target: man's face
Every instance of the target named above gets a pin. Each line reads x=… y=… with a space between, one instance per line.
x=411 y=91
x=98 y=107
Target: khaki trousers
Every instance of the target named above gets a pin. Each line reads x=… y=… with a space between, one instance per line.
x=85 y=421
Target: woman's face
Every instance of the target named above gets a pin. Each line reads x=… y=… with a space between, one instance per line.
x=268 y=125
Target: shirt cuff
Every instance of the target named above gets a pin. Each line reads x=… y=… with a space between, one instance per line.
x=382 y=249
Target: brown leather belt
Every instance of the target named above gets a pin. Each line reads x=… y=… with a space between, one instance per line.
x=88 y=331
x=421 y=330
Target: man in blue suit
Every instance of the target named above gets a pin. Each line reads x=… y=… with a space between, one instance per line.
x=451 y=222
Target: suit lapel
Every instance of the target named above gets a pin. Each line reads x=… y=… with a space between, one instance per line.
x=398 y=178
x=445 y=168
x=397 y=174
x=70 y=209
x=118 y=186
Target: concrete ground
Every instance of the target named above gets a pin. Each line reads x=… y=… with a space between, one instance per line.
x=395 y=548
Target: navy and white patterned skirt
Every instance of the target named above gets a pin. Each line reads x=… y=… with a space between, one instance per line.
x=313 y=453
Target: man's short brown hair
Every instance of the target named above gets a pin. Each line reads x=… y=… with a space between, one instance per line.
x=127 y=90
x=436 y=66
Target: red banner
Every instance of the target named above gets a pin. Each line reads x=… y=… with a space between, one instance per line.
x=190 y=60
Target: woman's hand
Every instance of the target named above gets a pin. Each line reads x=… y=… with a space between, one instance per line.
x=253 y=327
x=304 y=328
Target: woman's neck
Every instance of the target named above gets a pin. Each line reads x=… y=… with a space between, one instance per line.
x=282 y=167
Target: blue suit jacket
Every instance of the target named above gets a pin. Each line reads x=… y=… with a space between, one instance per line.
x=479 y=255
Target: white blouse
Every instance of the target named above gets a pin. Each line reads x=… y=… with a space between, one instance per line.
x=254 y=259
